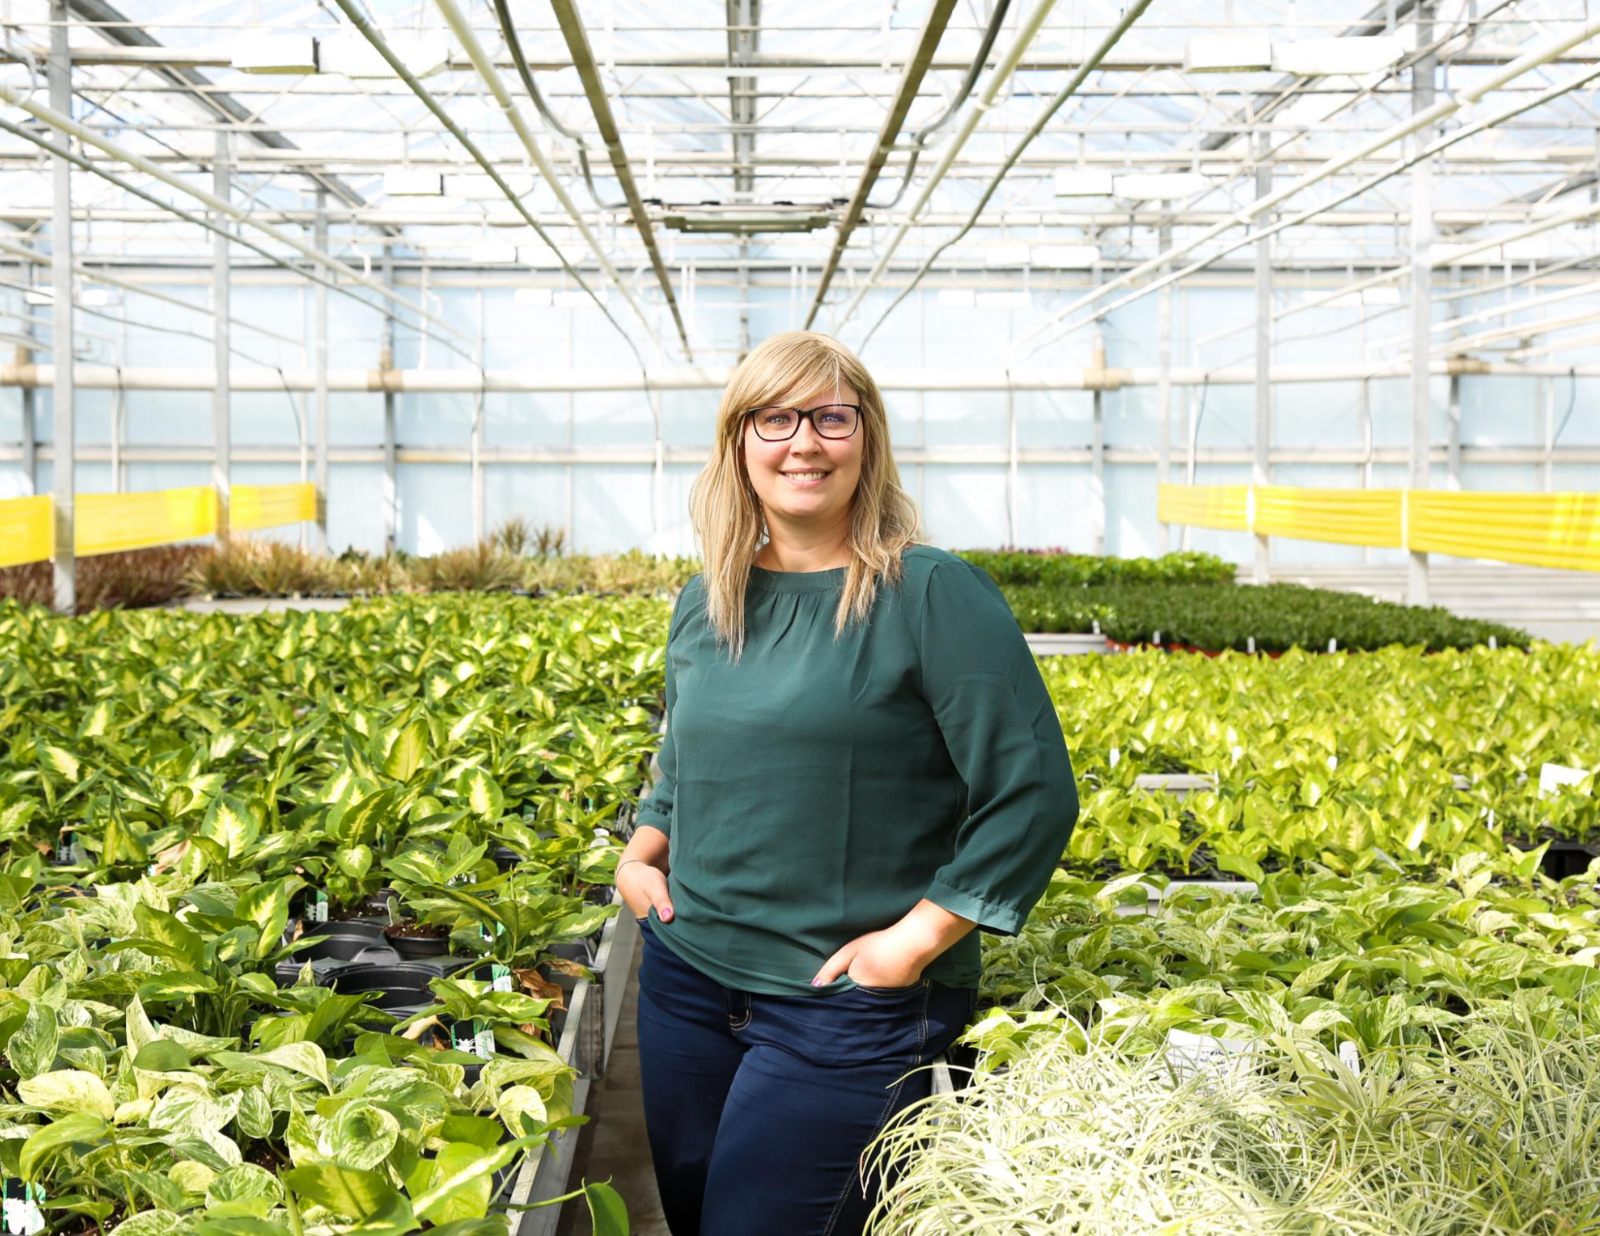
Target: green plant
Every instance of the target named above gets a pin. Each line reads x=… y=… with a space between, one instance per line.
x=1059 y=570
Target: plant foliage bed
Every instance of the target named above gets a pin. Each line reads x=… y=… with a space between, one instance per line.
x=191 y=808
x=1352 y=762
x=1276 y=617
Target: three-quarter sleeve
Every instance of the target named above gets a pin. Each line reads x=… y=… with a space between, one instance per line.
x=1004 y=738
x=656 y=810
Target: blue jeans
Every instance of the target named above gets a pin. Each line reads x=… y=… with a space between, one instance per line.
x=758 y=1107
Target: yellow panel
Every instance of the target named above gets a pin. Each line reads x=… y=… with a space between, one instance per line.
x=1205 y=506
x=270 y=506
x=27 y=530
x=1550 y=530
x=106 y=523
x=1348 y=516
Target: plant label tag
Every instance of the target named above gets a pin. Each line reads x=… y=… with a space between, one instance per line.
x=1201 y=1055
x=499 y=978
x=71 y=852
x=20 y=1211
x=1350 y=1056
x=319 y=907
x=1553 y=776
x=482 y=1041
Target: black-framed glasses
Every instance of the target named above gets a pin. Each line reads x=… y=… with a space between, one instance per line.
x=832 y=420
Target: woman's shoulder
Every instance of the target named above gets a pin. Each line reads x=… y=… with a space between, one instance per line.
x=921 y=562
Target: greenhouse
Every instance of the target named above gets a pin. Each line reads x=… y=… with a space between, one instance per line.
x=922 y=618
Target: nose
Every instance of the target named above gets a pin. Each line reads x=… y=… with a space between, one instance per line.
x=806 y=437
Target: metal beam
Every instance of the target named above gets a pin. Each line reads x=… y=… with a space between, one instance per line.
x=111 y=24
x=1422 y=91
x=916 y=68
x=1261 y=469
x=589 y=74
x=221 y=274
x=65 y=455
x=319 y=352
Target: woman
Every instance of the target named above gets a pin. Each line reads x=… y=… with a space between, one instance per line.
x=861 y=766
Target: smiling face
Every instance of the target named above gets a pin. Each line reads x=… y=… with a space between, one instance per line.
x=807 y=481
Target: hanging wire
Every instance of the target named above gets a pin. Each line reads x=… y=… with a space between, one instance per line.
x=514 y=46
x=919 y=139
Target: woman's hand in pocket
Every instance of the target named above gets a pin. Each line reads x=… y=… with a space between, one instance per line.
x=878 y=959
x=641 y=886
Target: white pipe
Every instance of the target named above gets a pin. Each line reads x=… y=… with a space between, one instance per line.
x=714 y=378
x=1443 y=108
x=89 y=137
x=1445 y=257
x=997 y=78
x=486 y=70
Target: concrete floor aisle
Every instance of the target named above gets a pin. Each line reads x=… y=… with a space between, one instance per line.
x=616 y=1146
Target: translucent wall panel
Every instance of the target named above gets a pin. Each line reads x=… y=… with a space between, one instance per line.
x=1056 y=506
x=355 y=512
x=435 y=506
x=611 y=507
x=1500 y=411
x=1312 y=414
x=1055 y=418
x=1131 y=527
x=964 y=505
x=536 y=492
x=520 y=419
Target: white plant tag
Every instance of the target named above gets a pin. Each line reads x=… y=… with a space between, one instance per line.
x=1554 y=776
x=1113 y=758
x=1191 y=1055
x=483 y=1043
x=22 y=1215
x=1350 y=1057
x=319 y=907
x=500 y=978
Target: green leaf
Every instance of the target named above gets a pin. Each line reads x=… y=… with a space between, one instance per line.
x=458 y=1183
x=33 y=1045
x=608 y=1213
x=267 y=906
x=406 y=751
x=193 y=1111
x=168 y=936
x=301 y=1057
x=175 y=985
x=246 y=1182
x=255 y=1113
x=346 y=1191
x=162 y=1056
x=68 y=1090
x=72 y=1130
x=231 y=823
x=482 y=796
x=361 y=1135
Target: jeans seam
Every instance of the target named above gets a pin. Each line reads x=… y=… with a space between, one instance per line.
x=749 y=1012
x=883 y=1116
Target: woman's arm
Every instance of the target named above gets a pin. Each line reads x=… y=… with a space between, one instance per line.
x=1000 y=727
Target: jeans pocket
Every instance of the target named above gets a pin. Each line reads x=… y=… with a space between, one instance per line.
x=907 y=990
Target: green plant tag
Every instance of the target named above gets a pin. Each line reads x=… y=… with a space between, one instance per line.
x=499 y=977
x=319 y=907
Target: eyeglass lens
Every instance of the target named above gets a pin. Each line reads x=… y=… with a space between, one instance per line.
x=835 y=420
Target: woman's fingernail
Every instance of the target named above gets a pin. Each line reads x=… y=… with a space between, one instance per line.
x=816 y=982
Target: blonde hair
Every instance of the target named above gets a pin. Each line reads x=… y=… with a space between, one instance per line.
x=727 y=516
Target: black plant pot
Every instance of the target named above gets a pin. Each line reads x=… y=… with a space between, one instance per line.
x=572 y=950
x=1567 y=858
x=403 y=987
x=506 y=858
x=415 y=947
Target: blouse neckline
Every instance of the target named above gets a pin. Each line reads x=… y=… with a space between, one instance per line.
x=763 y=580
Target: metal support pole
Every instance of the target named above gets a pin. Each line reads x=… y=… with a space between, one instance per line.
x=1421 y=291
x=320 y=350
x=1261 y=470
x=476 y=441
x=59 y=72
x=1011 y=469
x=391 y=503
x=30 y=405
x=221 y=429
x=1097 y=447
x=1453 y=449
x=1548 y=472
x=1164 y=388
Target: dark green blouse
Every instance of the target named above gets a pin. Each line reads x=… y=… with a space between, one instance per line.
x=821 y=788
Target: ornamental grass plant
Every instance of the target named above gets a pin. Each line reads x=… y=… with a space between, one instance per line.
x=1489 y=1132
